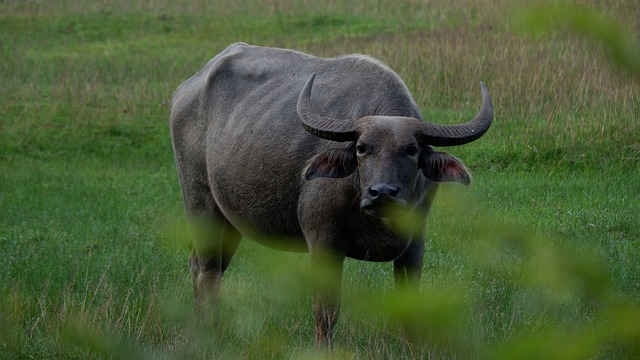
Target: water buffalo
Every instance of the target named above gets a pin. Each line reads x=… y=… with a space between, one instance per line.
x=306 y=154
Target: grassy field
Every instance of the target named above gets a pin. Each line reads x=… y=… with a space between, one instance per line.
x=539 y=258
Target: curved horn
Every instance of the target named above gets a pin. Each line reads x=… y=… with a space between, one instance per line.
x=326 y=128
x=459 y=134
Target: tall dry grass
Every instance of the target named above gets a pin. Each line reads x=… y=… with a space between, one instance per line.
x=558 y=95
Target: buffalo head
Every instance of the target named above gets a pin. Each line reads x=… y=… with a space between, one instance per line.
x=389 y=152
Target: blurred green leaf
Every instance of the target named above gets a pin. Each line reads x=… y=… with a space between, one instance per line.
x=606 y=32
x=432 y=317
x=108 y=345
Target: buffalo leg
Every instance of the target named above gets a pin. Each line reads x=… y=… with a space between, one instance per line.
x=407 y=269
x=327 y=279
x=213 y=246
x=213 y=239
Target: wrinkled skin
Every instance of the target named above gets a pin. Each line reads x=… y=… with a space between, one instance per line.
x=248 y=168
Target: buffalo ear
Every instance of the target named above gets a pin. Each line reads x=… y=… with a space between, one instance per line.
x=442 y=167
x=333 y=163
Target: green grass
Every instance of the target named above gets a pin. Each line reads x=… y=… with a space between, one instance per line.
x=539 y=258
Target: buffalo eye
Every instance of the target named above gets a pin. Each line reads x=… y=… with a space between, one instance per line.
x=412 y=150
x=361 y=149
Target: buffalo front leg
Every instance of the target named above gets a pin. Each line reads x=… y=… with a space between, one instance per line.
x=213 y=246
x=407 y=269
x=327 y=280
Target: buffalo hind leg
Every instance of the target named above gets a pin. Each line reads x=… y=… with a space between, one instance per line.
x=213 y=239
x=327 y=280
x=213 y=244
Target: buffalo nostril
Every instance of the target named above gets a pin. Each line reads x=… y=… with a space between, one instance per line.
x=384 y=190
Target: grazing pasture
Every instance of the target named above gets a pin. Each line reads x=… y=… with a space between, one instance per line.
x=538 y=258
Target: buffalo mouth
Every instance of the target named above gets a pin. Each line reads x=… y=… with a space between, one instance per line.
x=388 y=208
